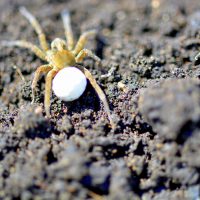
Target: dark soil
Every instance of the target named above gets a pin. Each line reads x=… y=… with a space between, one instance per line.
x=153 y=89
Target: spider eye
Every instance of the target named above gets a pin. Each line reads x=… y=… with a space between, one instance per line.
x=63 y=46
x=58 y=44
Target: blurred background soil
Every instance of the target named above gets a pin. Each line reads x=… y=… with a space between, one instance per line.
x=151 y=81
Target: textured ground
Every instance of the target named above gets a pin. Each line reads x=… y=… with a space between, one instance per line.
x=153 y=88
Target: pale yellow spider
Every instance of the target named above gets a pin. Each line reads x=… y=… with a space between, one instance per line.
x=62 y=54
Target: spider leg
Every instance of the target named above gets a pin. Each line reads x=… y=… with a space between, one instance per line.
x=33 y=21
x=100 y=93
x=82 y=41
x=48 y=85
x=68 y=30
x=86 y=52
x=41 y=69
x=24 y=44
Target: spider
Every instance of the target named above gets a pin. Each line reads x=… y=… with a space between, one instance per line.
x=62 y=54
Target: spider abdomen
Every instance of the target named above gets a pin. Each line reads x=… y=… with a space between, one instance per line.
x=69 y=84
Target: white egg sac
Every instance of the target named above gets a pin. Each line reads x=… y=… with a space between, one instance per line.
x=69 y=84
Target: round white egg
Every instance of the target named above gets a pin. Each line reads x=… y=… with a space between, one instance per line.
x=69 y=84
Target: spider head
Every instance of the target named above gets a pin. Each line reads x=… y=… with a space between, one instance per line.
x=59 y=56
x=58 y=44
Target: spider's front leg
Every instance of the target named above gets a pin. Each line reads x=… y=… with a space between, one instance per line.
x=41 y=69
x=82 y=41
x=100 y=93
x=47 y=98
x=68 y=30
x=86 y=52
x=33 y=21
